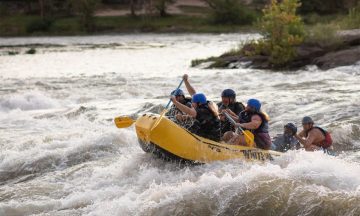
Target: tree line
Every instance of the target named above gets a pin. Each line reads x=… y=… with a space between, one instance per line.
x=221 y=11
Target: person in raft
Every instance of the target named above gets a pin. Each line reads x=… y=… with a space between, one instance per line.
x=207 y=123
x=180 y=97
x=229 y=103
x=313 y=137
x=253 y=119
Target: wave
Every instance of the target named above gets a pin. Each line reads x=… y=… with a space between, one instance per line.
x=298 y=183
x=18 y=166
x=32 y=100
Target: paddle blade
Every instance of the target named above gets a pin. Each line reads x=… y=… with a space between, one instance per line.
x=123 y=121
x=249 y=138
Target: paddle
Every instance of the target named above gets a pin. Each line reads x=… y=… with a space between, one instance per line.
x=247 y=133
x=123 y=121
x=166 y=108
x=126 y=121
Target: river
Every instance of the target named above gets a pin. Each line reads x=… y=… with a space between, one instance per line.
x=61 y=154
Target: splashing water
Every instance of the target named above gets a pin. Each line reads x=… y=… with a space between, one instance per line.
x=60 y=153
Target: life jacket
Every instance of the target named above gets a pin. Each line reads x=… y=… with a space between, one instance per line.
x=187 y=102
x=261 y=134
x=226 y=125
x=327 y=142
x=206 y=123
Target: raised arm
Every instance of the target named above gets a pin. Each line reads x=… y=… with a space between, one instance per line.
x=189 y=88
x=190 y=111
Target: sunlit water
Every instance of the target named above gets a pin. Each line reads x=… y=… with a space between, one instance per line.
x=60 y=153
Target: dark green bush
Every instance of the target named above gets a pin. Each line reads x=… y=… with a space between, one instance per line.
x=230 y=12
x=86 y=9
x=39 y=25
x=31 y=51
x=282 y=30
x=352 y=20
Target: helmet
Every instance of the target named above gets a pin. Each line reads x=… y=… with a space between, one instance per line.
x=291 y=126
x=199 y=98
x=177 y=92
x=228 y=93
x=254 y=103
x=307 y=120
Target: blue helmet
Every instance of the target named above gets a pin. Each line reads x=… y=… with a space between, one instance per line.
x=307 y=120
x=199 y=98
x=178 y=92
x=254 y=103
x=228 y=93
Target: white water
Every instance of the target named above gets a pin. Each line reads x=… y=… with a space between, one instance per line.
x=60 y=153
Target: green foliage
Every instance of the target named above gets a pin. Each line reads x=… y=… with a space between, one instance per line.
x=321 y=6
x=16 y=25
x=4 y=10
x=219 y=63
x=282 y=30
x=39 y=25
x=352 y=20
x=197 y=62
x=13 y=53
x=230 y=12
x=31 y=51
x=324 y=35
x=86 y=9
x=161 y=6
x=235 y=51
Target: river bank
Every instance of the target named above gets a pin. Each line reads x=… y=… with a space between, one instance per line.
x=345 y=51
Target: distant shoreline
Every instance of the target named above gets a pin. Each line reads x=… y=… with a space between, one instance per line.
x=23 y=26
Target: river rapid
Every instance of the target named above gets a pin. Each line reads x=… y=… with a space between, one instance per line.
x=61 y=154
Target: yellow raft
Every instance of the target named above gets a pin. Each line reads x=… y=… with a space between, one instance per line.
x=169 y=141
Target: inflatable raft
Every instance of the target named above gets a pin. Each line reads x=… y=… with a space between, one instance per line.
x=170 y=141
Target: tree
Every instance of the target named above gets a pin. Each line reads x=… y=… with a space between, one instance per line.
x=133 y=7
x=86 y=9
x=282 y=30
x=161 y=6
x=230 y=12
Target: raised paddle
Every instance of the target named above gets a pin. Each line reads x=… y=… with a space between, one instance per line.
x=126 y=121
x=247 y=133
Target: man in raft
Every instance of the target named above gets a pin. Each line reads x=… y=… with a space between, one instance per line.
x=180 y=97
x=312 y=137
x=256 y=121
x=206 y=122
x=229 y=103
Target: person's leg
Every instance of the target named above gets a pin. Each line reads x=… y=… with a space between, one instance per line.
x=238 y=139
x=227 y=136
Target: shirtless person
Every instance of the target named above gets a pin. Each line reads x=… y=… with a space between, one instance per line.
x=313 y=137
